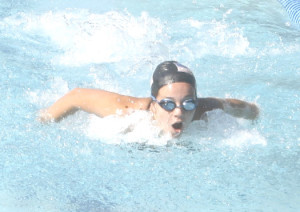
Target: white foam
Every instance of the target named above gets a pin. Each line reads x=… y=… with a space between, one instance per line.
x=242 y=138
x=83 y=37
x=231 y=131
x=86 y=37
x=137 y=127
x=215 y=38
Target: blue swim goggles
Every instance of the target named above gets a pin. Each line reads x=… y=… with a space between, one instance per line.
x=170 y=105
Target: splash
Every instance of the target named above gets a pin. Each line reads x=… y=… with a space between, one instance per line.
x=225 y=130
x=85 y=38
x=214 y=38
x=244 y=138
x=137 y=127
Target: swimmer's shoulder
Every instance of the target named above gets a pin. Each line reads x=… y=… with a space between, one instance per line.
x=206 y=104
x=141 y=103
x=127 y=103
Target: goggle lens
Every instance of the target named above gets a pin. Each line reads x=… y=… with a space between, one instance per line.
x=167 y=104
x=189 y=104
x=170 y=105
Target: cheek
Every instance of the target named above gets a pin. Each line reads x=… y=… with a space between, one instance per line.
x=159 y=114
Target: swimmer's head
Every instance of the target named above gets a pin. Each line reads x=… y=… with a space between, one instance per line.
x=174 y=97
x=170 y=72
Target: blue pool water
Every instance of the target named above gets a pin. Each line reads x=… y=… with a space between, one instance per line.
x=241 y=49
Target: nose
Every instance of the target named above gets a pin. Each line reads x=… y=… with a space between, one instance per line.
x=178 y=111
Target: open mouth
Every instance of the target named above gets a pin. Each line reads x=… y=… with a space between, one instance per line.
x=177 y=126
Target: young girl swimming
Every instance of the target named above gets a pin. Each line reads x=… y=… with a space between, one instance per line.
x=173 y=102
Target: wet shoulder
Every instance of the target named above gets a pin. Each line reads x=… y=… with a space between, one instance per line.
x=206 y=104
x=137 y=103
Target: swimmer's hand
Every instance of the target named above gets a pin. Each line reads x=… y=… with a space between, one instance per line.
x=44 y=116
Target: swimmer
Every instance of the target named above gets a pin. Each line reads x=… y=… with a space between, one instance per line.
x=173 y=102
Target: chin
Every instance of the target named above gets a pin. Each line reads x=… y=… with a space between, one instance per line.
x=173 y=132
x=176 y=134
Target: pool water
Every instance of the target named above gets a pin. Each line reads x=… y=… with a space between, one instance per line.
x=240 y=49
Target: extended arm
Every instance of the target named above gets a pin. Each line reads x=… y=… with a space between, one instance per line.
x=99 y=102
x=239 y=108
x=234 y=107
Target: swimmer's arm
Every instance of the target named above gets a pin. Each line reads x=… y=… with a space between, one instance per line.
x=234 y=107
x=240 y=108
x=99 y=102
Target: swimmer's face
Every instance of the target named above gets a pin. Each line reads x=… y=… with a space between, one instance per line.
x=174 y=122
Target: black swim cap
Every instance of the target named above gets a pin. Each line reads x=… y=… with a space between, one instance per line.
x=170 y=72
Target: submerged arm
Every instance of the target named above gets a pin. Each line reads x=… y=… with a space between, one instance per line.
x=99 y=102
x=234 y=107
